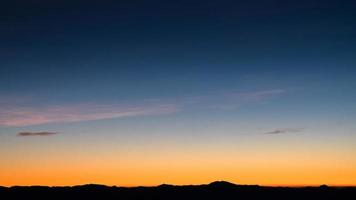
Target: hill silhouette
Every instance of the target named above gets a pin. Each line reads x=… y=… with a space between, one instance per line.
x=222 y=184
x=214 y=190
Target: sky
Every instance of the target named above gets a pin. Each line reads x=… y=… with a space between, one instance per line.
x=182 y=92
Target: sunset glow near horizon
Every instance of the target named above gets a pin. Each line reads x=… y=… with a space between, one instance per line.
x=189 y=92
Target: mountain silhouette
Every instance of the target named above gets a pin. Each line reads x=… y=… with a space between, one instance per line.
x=215 y=190
x=222 y=184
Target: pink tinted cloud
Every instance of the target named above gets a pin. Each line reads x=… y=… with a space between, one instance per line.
x=20 y=114
x=25 y=116
x=234 y=100
x=258 y=95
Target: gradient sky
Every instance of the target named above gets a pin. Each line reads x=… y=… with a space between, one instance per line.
x=181 y=92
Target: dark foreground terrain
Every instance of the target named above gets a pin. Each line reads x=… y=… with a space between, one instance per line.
x=215 y=190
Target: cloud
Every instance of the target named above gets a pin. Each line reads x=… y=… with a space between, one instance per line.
x=285 y=130
x=232 y=100
x=43 y=133
x=258 y=95
x=26 y=115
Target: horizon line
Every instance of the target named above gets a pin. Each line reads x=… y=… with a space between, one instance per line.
x=198 y=184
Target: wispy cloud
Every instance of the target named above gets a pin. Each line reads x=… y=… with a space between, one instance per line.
x=285 y=130
x=259 y=95
x=232 y=100
x=17 y=114
x=42 y=133
x=24 y=116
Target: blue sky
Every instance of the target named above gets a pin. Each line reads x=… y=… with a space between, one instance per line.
x=177 y=73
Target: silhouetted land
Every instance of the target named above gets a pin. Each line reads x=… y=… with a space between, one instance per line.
x=215 y=190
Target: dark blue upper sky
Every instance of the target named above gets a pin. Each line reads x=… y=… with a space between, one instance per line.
x=170 y=47
x=75 y=51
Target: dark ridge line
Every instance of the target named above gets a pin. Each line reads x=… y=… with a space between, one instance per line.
x=164 y=185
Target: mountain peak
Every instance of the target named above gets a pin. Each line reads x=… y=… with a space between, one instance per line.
x=221 y=183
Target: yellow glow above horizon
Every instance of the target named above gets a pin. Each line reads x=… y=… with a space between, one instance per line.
x=182 y=166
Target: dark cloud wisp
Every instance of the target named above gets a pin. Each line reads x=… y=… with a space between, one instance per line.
x=285 y=130
x=41 y=133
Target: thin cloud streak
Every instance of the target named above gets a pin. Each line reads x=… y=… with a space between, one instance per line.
x=231 y=100
x=259 y=95
x=285 y=130
x=20 y=114
x=42 y=133
x=25 y=116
